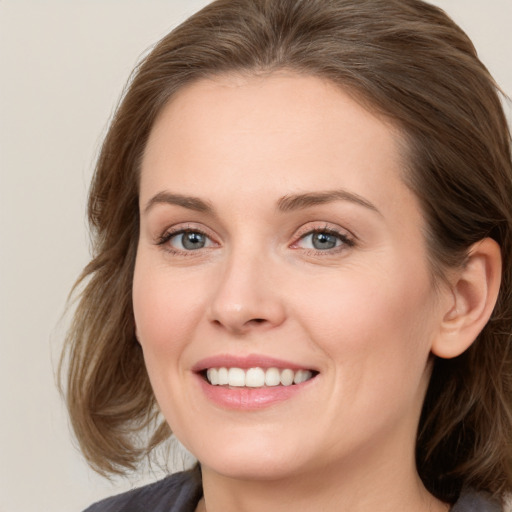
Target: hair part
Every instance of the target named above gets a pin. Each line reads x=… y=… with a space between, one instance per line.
x=411 y=64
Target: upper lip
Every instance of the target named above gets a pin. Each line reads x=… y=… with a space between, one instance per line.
x=245 y=362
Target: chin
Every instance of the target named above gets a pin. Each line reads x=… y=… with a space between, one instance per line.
x=250 y=460
x=250 y=468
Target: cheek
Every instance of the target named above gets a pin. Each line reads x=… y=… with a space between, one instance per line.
x=166 y=311
x=375 y=328
x=166 y=308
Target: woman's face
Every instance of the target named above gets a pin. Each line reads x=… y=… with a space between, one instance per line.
x=277 y=236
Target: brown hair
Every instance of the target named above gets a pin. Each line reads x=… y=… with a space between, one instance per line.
x=406 y=60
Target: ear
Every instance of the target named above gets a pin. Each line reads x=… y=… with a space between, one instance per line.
x=474 y=291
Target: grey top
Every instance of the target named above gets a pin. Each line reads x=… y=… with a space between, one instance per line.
x=470 y=501
x=182 y=491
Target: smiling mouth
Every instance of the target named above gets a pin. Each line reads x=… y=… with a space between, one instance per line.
x=256 y=377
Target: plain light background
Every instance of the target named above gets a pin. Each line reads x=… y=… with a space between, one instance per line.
x=63 y=66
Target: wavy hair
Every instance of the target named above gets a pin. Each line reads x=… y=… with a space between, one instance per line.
x=403 y=59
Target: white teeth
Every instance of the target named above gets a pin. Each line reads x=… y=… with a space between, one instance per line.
x=213 y=376
x=287 y=377
x=236 y=377
x=256 y=377
x=301 y=376
x=223 y=376
x=272 y=377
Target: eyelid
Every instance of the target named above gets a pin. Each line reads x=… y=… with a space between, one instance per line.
x=175 y=230
x=347 y=238
x=318 y=227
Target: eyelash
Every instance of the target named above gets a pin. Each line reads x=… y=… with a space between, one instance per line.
x=164 y=240
x=346 y=240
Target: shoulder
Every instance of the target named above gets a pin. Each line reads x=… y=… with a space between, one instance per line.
x=472 y=501
x=176 y=493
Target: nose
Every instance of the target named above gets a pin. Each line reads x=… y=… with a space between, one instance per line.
x=247 y=296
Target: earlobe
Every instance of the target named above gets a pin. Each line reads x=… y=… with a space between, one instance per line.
x=474 y=292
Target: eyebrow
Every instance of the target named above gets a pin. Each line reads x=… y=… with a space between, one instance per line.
x=302 y=201
x=285 y=204
x=190 y=202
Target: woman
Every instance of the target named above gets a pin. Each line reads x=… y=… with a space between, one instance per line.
x=302 y=220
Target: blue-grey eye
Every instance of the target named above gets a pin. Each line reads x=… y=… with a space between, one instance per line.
x=324 y=241
x=189 y=240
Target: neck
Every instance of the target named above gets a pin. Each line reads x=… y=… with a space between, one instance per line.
x=386 y=488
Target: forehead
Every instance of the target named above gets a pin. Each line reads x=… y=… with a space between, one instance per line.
x=284 y=103
x=294 y=132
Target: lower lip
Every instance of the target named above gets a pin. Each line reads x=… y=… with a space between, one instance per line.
x=247 y=399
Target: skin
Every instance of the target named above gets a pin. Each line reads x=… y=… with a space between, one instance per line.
x=365 y=314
